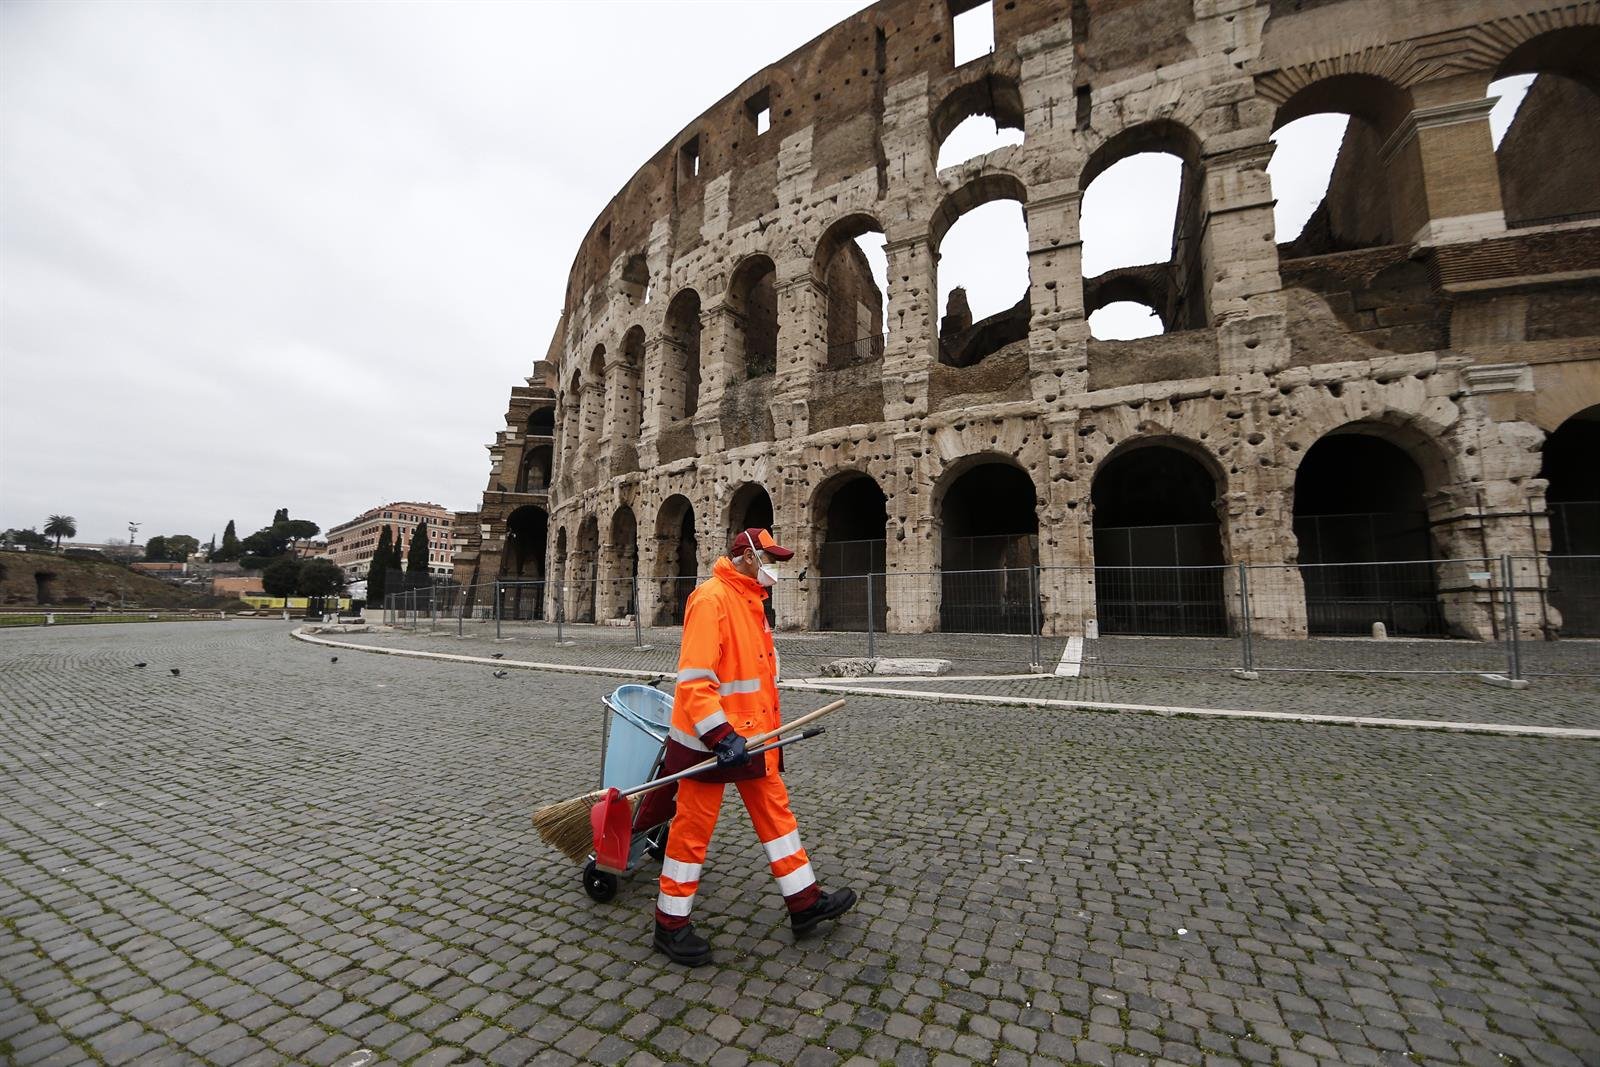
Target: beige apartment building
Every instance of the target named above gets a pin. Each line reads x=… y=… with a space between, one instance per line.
x=351 y=544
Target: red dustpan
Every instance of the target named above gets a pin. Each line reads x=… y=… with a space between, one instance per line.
x=612 y=819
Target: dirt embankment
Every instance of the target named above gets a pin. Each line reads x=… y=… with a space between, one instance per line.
x=40 y=578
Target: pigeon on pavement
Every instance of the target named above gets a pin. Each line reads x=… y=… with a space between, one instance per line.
x=501 y=674
x=498 y=655
x=141 y=664
x=174 y=672
x=334 y=660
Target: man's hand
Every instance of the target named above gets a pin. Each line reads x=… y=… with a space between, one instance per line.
x=730 y=751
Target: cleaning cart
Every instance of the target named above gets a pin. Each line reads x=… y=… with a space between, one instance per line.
x=638 y=718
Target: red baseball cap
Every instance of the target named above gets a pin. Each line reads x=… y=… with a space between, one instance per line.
x=760 y=540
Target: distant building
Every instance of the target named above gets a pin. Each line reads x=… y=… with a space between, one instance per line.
x=351 y=544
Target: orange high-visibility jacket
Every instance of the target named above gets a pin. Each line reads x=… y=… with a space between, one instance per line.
x=727 y=675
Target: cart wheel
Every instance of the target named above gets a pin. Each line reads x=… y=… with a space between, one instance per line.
x=600 y=885
x=656 y=842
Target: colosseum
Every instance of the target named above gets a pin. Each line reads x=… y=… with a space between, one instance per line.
x=1415 y=376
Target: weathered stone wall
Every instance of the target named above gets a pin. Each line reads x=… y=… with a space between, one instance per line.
x=1270 y=351
x=1548 y=157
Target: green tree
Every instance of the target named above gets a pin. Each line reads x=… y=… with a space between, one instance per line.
x=29 y=538
x=320 y=577
x=417 y=555
x=60 y=526
x=229 y=549
x=155 y=549
x=378 y=569
x=281 y=515
x=181 y=546
x=281 y=576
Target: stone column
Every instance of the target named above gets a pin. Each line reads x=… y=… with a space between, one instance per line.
x=1066 y=537
x=913 y=345
x=1058 y=334
x=720 y=339
x=1441 y=167
x=622 y=417
x=802 y=352
x=649 y=587
x=1239 y=262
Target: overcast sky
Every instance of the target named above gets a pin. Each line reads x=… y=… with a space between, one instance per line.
x=295 y=255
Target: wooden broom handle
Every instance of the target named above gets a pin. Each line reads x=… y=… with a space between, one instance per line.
x=796 y=724
x=750 y=742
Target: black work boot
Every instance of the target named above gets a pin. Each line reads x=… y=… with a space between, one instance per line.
x=828 y=906
x=683 y=945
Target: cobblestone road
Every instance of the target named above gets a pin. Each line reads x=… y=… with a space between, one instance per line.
x=276 y=858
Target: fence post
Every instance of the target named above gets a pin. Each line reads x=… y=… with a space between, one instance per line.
x=638 y=626
x=872 y=637
x=1513 y=645
x=1244 y=618
x=433 y=607
x=1033 y=616
x=561 y=606
x=461 y=609
x=497 y=594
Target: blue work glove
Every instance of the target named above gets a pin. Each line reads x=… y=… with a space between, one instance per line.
x=730 y=751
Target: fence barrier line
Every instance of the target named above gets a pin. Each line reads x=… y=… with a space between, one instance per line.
x=1574 y=733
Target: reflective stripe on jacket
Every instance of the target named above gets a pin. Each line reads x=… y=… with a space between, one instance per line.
x=727 y=674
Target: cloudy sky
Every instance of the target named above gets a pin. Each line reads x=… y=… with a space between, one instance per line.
x=294 y=255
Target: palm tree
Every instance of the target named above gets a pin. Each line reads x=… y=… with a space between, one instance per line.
x=61 y=526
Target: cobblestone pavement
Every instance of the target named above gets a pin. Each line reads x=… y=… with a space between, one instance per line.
x=1170 y=673
x=276 y=858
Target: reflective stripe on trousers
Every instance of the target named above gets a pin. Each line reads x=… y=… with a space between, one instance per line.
x=767 y=801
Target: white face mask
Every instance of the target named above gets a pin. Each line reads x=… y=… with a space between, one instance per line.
x=767 y=575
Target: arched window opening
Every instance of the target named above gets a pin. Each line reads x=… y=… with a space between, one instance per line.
x=971 y=30
x=1157 y=545
x=561 y=577
x=976 y=119
x=1144 y=210
x=542 y=423
x=1335 y=192
x=974 y=137
x=680 y=377
x=1362 y=528
x=44 y=587
x=983 y=283
x=634 y=283
x=752 y=508
x=1546 y=129
x=630 y=387
x=753 y=301
x=988 y=547
x=854 y=272
x=851 y=515
x=1572 y=503
x=535 y=474
x=623 y=565
x=522 y=564
x=571 y=425
x=593 y=397
x=1125 y=320
x=585 y=578
x=677 y=559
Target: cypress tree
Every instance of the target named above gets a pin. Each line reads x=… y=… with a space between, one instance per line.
x=230 y=545
x=417 y=555
x=378 y=570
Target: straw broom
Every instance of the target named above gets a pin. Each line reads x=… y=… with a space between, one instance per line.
x=565 y=824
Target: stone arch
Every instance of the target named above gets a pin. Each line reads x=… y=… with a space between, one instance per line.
x=571 y=417
x=633 y=284
x=677 y=558
x=1363 y=531
x=1183 y=288
x=534 y=474
x=1572 y=508
x=593 y=396
x=585 y=570
x=987 y=513
x=1139 y=285
x=621 y=564
x=985 y=94
x=749 y=505
x=680 y=372
x=964 y=342
x=1159 y=538
x=849 y=518
x=1361 y=207
x=542 y=421
x=522 y=563
x=1557 y=124
x=752 y=303
x=856 y=321
x=1569 y=51
x=630 y=388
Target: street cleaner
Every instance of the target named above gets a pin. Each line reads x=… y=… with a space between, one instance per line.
x=728 y=691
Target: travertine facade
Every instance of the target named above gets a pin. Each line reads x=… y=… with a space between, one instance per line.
x=704 y=348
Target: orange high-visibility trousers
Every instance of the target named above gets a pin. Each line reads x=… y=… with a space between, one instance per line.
x=767 y=801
